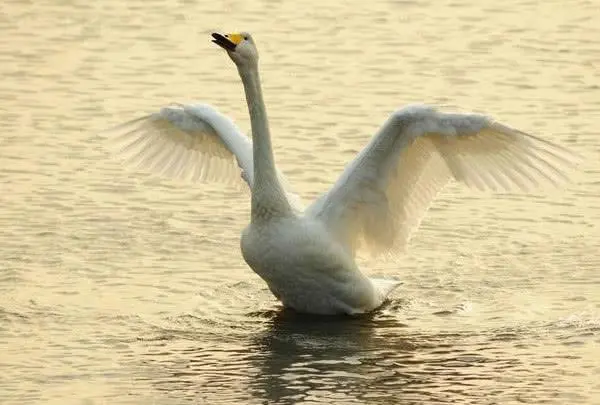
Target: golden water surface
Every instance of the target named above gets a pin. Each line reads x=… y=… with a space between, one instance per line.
x=118 y=287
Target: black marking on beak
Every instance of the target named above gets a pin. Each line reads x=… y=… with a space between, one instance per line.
x=223 y=42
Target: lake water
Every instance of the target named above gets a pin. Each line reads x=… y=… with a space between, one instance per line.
x=118 y=287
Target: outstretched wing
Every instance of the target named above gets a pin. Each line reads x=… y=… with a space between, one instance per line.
x=383 y=194
x=191 y=142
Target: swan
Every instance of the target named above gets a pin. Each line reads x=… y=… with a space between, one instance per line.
x=307 y=256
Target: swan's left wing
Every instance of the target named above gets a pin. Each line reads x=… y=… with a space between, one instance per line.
x=383 y=194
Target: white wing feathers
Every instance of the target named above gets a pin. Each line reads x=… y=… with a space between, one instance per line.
x=383 y=194
x=191 y=142
x=185 y=142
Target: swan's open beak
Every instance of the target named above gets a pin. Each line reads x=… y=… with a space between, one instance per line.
x=227 y=41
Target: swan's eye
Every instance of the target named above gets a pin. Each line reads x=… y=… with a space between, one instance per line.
x=246 y=37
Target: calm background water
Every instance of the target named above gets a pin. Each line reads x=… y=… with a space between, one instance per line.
x=117 y=287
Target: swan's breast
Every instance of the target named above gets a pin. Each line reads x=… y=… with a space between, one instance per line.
x=305 y=269
x=274 y=247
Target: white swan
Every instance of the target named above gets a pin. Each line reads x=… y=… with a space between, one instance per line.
x=307 y=257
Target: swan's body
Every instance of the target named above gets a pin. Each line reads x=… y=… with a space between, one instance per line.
x=307 y=256
x=307 y=269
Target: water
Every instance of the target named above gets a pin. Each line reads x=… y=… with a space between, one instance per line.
x=117 y=287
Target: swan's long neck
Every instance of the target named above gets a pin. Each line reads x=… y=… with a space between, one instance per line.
x=268 y=197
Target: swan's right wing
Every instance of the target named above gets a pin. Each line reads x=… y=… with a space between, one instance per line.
x=191 y=142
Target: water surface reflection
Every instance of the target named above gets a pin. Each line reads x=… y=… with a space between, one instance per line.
x=285 y=357
x=304 y=357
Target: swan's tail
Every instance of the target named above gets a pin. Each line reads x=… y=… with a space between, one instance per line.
x=385 y=287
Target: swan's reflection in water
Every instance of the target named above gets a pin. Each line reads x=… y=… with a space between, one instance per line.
x=318 y=358
x=284 y=357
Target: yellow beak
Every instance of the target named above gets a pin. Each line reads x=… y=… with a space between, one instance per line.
x=227 y=41
x=234 y=37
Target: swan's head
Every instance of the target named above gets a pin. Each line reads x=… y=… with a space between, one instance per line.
x=239 y=46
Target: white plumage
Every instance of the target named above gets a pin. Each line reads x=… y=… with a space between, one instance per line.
x=192 y=142
x=385 y=191
x=307 y=256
